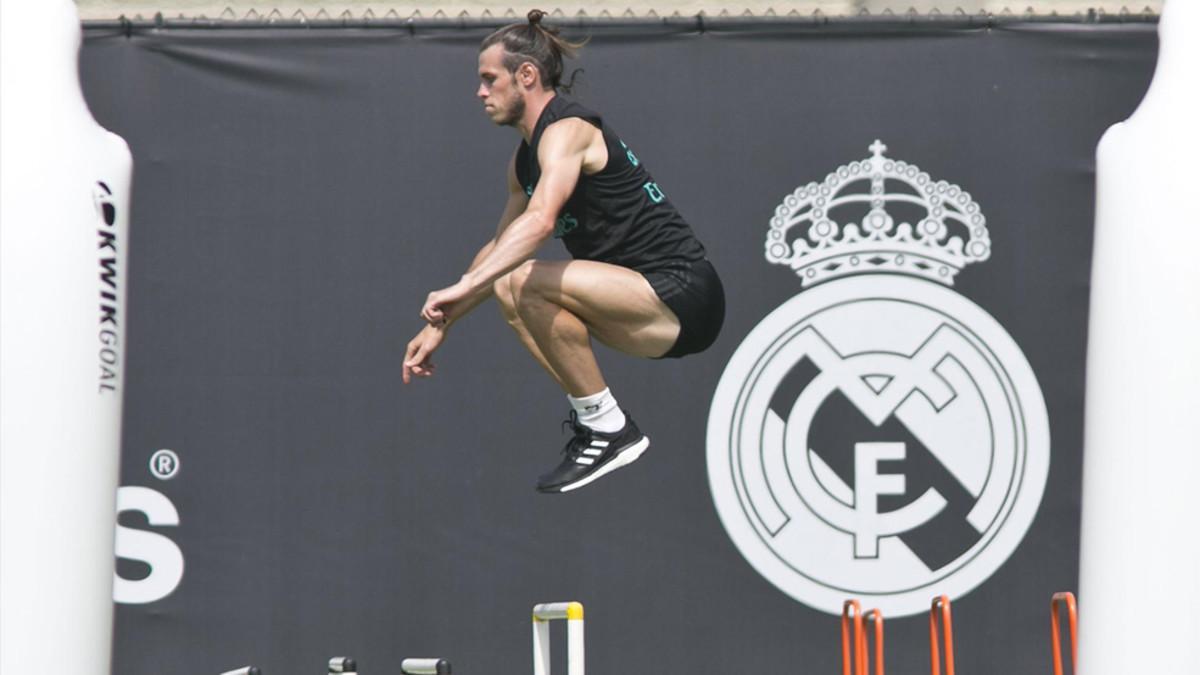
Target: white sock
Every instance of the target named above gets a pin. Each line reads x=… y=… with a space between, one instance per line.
x=599 y=411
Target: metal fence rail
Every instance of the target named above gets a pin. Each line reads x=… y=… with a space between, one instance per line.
x=698 y=22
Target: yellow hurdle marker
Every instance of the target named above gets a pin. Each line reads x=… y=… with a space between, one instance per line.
x=543 y=614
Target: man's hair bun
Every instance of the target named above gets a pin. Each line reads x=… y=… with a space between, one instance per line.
x=533 y=42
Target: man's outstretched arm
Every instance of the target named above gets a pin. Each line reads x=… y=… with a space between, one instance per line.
x=513 y=208
x=560 y=154
x=417 y=355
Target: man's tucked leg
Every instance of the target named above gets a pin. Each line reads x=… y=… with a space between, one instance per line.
x=561 y=337
x=502 y=290
x=561 y=306
x=564 y=304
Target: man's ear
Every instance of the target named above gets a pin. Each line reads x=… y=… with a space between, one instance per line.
x=527 y=74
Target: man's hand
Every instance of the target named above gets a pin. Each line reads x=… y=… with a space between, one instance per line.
x=438 y=302
x=420 y=348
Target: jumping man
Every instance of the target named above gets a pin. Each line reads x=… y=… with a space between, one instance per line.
x=639 y=281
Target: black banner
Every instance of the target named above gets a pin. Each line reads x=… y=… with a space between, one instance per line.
x=893 y=410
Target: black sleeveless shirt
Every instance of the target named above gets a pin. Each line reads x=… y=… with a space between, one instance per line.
x=618 y=215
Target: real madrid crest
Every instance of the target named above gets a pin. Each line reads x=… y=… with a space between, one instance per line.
x=877 y=436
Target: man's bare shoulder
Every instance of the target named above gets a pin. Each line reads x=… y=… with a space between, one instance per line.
x=570 y=133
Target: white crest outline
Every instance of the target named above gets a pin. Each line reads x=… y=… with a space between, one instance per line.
x=827 y=249
x=912 y=267
x=736 y=387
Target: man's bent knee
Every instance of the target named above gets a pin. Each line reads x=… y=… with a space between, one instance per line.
x=502 y=290
x=521 y=275
x=526 y=284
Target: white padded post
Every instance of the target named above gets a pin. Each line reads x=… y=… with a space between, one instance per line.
x=1139 y=599
x=64 y=203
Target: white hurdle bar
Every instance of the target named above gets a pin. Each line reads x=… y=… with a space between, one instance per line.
x=543 y=614
x=425 y=667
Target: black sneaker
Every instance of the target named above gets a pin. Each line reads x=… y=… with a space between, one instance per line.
x=590 y=454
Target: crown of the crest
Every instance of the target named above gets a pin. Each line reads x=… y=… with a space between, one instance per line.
x=942 y=228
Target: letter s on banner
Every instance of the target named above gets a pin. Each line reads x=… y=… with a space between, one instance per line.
x=160 y=553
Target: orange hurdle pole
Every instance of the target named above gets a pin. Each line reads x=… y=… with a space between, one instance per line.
x=1066 y=599
x=940 y=610
x=875 y=618
x=853 y=649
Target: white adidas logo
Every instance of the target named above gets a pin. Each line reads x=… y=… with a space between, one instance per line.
x=589 y=455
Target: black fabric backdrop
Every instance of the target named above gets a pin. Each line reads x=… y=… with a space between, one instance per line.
x=297 y=192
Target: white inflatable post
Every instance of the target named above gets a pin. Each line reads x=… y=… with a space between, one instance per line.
x=1139 y=599
x=64 y=197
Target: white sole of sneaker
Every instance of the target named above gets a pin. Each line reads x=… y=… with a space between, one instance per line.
x=624 y=458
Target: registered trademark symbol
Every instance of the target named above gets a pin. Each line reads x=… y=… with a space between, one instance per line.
x=164 y=464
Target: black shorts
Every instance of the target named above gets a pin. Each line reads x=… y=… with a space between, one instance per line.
x=694 y=292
